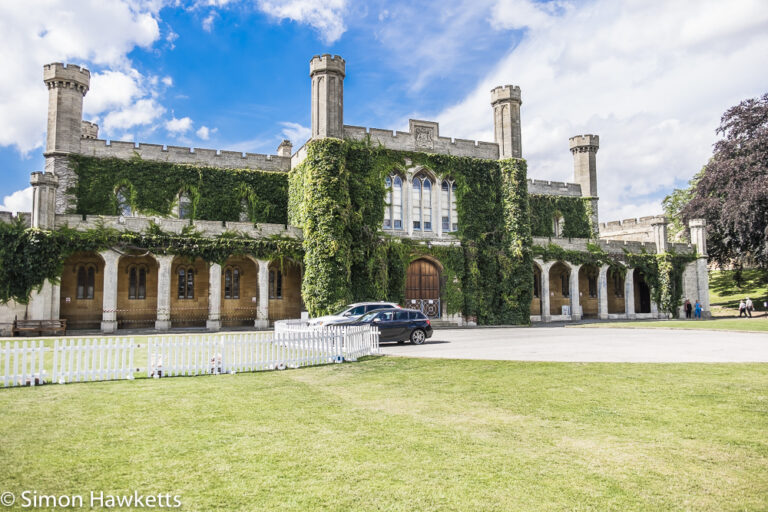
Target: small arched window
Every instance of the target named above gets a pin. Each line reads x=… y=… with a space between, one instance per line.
x=422 y=203
x=393 y=209
x=232 y=283
x=123 y=204
x=185 y=206
x=186 y=283
x=86 y=281
x=565 y=285
x=449 y=218
x=557 y=225
x=137 y=282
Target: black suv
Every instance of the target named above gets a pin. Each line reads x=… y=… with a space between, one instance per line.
x=396 y=324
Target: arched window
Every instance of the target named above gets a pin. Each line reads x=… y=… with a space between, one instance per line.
x=422 y=203
x=536 y=279
x=564 y=283
x=232 y=283
x=592 y=281
x=244 y=216
x=449 y=218
x=185 y=206
x=123 y=205
x=186 y=288
x=618 y=284
x=275 y=284
x=86 y=281
x=557 y=225
x=137 y=282
x=393 y=209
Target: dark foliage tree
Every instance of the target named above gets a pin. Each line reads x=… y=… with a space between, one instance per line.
x=732 y=192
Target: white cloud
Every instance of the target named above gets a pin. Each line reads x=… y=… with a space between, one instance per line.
x=99 y=34
x=208 y=21
x=142 y=112
x=652 y=79
x=296 y=133
x=325 y=16
x=167 y=81
x=178 y=126
x=204 y=132
x=19 y=201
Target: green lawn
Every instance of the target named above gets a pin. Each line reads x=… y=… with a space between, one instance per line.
x=725 y=293
x=756 y=324
x=405 y=434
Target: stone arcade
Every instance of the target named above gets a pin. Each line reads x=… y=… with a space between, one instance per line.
x=113 y=290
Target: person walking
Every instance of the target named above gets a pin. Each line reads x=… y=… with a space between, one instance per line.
x=750 y=307
x=697 y=310
x=742 y=308
x=688 y=309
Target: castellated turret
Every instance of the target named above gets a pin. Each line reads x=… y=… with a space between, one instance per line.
x=584 y=149
x=67 y=85
x=327 y=73
x=506 y=120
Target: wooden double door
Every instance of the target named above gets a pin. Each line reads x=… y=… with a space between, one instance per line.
x=422 y=289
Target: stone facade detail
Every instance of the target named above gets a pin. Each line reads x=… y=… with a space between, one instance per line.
x=327 y=73
x=506 y=102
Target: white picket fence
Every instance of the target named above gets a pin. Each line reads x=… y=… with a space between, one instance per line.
x=79 y=360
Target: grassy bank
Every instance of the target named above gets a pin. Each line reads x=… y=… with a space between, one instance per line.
x=756 y=324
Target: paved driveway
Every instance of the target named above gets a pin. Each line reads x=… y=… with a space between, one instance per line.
x=589 y=345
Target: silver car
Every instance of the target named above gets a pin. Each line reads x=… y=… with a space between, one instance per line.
x=351 y=311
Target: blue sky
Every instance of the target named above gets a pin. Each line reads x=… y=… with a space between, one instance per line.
x=651 y=78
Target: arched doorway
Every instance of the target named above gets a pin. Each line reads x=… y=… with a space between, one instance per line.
x=588 y=292
x=615 y=292
x=136 y=292
x=239 y=291
x=642 y=293
x=536 y=300
x=82 y=291
x=422 y=289
x=559 y=288
x=284 y=290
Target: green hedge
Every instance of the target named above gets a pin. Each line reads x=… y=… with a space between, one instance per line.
x=154 y=188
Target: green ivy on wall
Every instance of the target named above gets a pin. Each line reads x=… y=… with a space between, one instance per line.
x=29 y=257
x=154 y=187
x=575 y=211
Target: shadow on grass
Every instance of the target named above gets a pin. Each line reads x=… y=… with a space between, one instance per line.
x=727 y=293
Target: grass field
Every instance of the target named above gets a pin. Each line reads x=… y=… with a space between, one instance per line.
x=757 y=324
x=405 y=434
x=725 y=293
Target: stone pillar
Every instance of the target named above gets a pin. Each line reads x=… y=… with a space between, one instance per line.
x=629 y=294
x=164 y=279
x=506 y=102
x=262 y=315
x=214 y=297
x=408 y=205
x=659 y=226
x=41 y=303
x=546 y=314
x=44 y=200
x=327 y=73
x=602 y=293
x=698 y=229
x=573 y=286
x=109 y=315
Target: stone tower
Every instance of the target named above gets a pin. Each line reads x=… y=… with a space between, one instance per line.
x=584 y=149
x=67 y=85
x=327 y=73
x=506 y=121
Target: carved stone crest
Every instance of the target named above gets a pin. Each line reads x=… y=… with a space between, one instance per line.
x=424 y=137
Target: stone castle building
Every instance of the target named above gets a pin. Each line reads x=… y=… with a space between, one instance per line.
x=115 y=289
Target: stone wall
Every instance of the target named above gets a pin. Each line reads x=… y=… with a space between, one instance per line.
x=638 y=230
x=554 y=188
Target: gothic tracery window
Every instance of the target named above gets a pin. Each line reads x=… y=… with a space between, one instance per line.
x=185 y=206
x=393 y=208
x=557 y=225
x=123 y=205
x=449 y=217
x=422 y=203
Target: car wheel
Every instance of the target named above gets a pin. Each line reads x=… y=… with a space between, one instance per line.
x=418 y=337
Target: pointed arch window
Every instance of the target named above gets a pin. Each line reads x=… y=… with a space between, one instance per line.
x=185 y=206
x=422 y=203
x=86 y=281
x=123 y=204
x=393 y=208
x=557 y=225
x=137 y=282
x=186 y=283
x=448 y=216
x=232 y=283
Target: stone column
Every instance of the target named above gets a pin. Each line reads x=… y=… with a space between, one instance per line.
x=262 y=315
x=164 y=278
x=659 y=226
x=109 y=305
x=546 y=315
x=602 y=293
x=699 y=239
x=573 y=285
x=214 y=297
x=629 y=294
x=408 y=205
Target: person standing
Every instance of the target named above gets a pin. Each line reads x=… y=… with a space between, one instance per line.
x=697 y=310
x=742 y=308
x=750 y=307
x=688 y=309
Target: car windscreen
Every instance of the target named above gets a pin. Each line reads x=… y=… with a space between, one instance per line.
x=368 y=316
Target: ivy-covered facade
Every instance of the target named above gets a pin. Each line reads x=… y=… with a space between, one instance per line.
x=146 y=236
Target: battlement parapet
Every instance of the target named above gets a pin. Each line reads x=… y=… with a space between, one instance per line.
x=582 y=143
x=424 y=136
x=57 y=74
x=641 y=222
x=554 y=188
x=209 y=228
x=9 y=217
x=100 y=148
x=327 y=63
x=89 y=130
x=505 y=93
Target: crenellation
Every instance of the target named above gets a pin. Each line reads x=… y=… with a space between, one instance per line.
x=553 y=188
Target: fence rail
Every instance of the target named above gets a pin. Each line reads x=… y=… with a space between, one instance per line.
x=80 y=360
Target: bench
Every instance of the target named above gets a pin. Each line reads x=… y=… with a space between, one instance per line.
x=39 y=326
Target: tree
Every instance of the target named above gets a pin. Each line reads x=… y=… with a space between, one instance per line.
x=673 y=206
x=732 y=192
